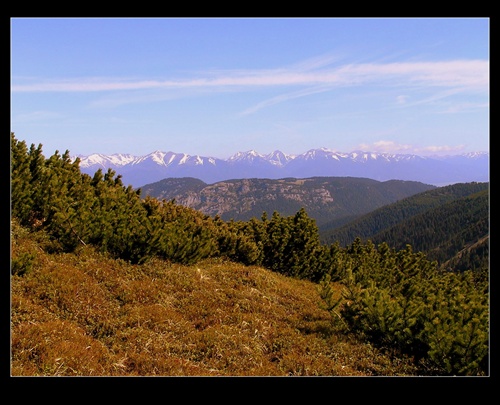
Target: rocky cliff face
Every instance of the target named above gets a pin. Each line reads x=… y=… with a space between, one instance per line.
x=243 y=195
x=324 y=198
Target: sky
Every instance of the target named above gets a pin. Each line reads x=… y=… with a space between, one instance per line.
x=217 y=86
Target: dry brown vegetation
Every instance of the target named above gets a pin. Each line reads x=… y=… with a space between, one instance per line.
x=83 y=314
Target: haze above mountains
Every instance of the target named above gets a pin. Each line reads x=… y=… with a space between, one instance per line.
x=437 y=170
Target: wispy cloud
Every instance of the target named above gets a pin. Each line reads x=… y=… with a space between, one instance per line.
x=285 y=97
x=37 y=116
x=384 y=146
x=441 y=149
x=461 y=73
x=309 y=77
x=402 y=99
x=465 y=107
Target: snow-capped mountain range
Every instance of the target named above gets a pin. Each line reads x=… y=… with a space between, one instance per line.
x=438 y=170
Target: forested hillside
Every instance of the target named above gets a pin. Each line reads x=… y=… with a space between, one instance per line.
x=324 y=198
x=453 y=231
x=450 y=224
x=70 y=230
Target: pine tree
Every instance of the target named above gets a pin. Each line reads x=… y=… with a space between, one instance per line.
x=400 y=300
x=278 y=235
x=21 y=191
x=302 y=247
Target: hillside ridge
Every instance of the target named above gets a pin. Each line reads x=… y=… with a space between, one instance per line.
x=450 y=224
x=324 y=198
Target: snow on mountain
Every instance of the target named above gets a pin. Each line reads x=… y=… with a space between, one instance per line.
x=366 y=156
x=321 y=153
x=279 y=158
x=141 y=170
x=360 y=156
x=157 y=157
x=249 y=157
x=98 y=159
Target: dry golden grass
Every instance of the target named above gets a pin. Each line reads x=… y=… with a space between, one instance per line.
x=87 y=315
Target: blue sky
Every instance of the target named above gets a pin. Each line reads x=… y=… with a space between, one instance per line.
x=216 y=86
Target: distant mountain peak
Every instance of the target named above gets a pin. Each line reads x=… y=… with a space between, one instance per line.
x=248 y=156
x=157 y=165
x=279 y=158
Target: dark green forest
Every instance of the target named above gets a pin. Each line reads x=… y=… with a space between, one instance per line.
x=398 y=299
x=450 y=224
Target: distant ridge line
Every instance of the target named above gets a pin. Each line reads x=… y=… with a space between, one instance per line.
x=157 y=165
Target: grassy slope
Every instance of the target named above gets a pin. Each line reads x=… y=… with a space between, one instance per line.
x=87 y=315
